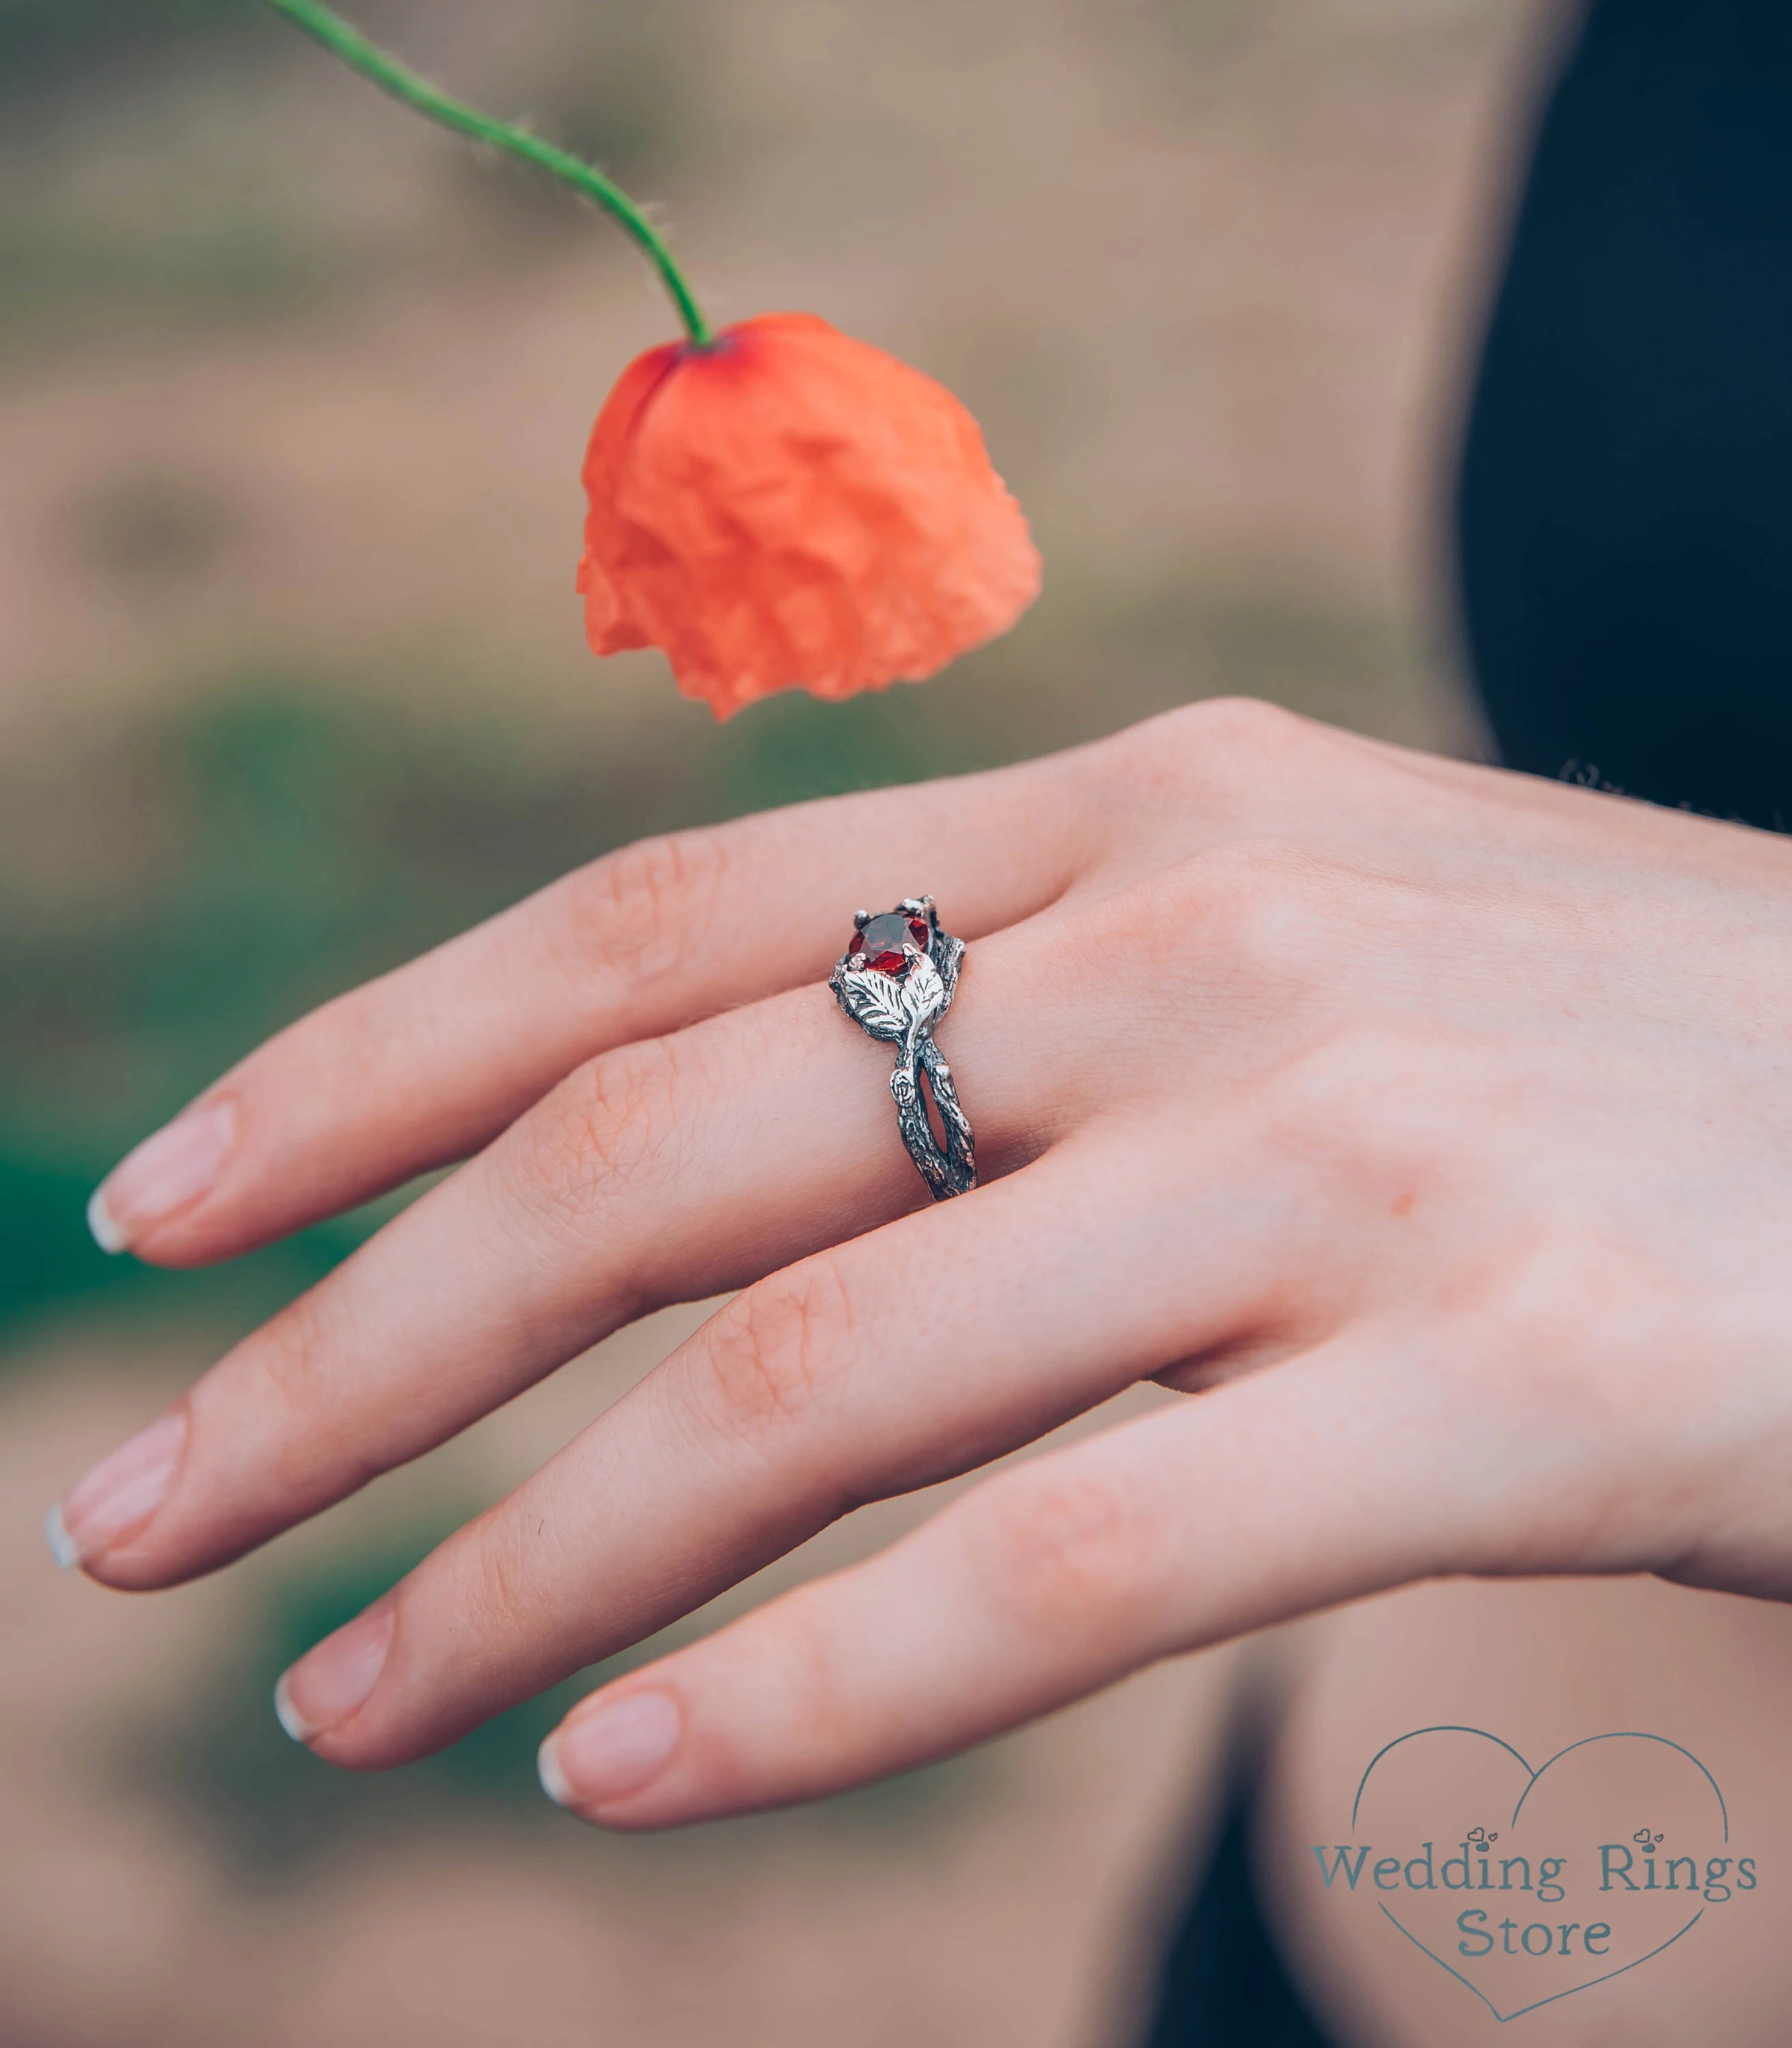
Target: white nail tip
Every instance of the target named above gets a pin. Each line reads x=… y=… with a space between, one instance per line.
x=64 y=1548
x=553 y=1779
x=288 y=1716
x=106 y=1234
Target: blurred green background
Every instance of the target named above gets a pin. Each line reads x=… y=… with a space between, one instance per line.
x=294 y=392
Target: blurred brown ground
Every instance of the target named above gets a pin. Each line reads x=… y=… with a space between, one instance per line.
x=285 y=376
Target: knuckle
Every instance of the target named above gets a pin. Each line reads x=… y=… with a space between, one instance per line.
x=1570 y=1351
x=1249 y=723
x=1227 y=739
x=504 y=1591
x=290 y=1351
x=640 y=911
x=778 y=1352
x=1264 y=904
x=1369 y=1102
x=1352 y=1067
x=1059 y=1550
x=1576 y=1325
x=1217 y=743
x=1224 y=762
x=298 y=1360
x=792 y=1645
x=613 y=1121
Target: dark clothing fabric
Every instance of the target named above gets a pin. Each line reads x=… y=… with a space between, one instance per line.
x=1625 y=515
x=1624 y=521
x=1223 y=1982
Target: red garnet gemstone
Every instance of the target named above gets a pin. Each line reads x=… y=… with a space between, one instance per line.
x=880 y=944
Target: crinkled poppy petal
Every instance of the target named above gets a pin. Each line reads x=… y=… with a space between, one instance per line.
x=792 y=508
x=609 y=627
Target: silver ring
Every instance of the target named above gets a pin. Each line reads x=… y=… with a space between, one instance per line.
x=896 y=981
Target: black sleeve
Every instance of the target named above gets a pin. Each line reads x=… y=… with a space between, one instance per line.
x=1625 y=496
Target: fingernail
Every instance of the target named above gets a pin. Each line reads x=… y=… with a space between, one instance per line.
x=62 y=1545
x=172 y=1168
x=119 y=1495
x=611 y=1751
x=329 y=1683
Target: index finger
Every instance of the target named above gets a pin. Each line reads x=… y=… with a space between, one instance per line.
x=423 y=1066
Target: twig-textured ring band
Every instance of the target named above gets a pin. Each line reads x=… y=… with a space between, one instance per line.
x=896 y=981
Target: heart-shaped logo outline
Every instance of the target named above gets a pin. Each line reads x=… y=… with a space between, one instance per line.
x=1611 y=1735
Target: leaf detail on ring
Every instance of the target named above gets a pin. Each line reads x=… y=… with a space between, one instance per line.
x=889 y=1007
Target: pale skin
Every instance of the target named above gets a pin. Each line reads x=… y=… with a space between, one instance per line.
x=1434 y=1124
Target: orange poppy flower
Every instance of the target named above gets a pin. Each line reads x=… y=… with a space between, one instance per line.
x=788 y=507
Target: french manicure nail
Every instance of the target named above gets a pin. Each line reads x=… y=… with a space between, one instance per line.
x=62 y=1545
x=171 y=1169
x=615 y=1750
x=553 y=1779
x=329 y=1683
x=119 y=1494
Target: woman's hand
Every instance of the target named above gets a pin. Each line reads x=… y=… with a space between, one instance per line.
x=1445 y=1116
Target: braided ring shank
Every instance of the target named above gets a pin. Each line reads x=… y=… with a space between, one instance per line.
x=901 y=1009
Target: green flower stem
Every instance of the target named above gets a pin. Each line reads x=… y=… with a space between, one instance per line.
x=329 y=29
